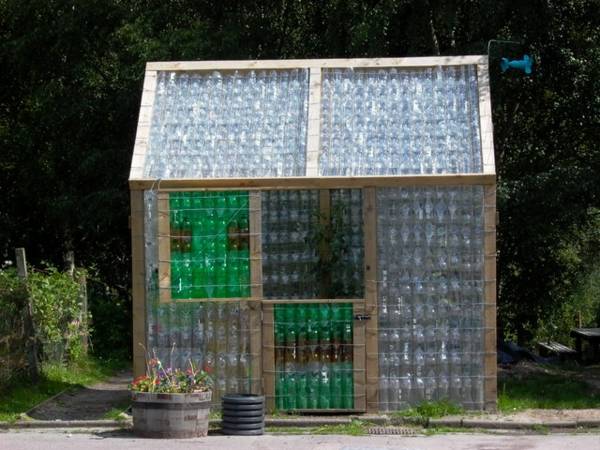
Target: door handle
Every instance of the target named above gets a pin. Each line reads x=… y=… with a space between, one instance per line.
x=361 y=317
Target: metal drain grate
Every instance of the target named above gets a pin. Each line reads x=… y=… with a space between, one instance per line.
x=402 y=431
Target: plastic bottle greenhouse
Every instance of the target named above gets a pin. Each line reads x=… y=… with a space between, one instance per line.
x=319 y=231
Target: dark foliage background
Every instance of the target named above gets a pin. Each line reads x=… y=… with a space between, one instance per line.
x=70 y=88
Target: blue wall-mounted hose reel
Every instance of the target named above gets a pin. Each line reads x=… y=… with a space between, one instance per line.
x=525 y=64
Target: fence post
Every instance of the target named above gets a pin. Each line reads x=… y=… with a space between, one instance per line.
x=83 y=298
x=32 y=349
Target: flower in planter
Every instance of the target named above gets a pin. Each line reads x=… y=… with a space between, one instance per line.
x=159 y=379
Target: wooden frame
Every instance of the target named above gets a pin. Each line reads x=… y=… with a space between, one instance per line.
x=164 y=252
x=371 y=332
x=489 y=297
x=143 y=130
x=138 y=275
x=315 y=182
x=357 y=63
x=366 y=377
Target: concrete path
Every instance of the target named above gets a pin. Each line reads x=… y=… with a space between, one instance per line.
x=88 y=403
x=55 y=440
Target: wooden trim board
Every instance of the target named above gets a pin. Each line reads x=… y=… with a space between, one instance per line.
x=164 y=248
x=485 y=119
x=489 y=267
x=278 y=64
x=142 y=137
x=371 y=333
x=313 y=140
x=256 y=289
x=138 y=276
x=316 y=182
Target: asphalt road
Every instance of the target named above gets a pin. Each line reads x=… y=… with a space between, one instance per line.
x=61 y=440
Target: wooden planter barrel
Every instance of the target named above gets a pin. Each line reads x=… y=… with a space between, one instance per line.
x=170 y=415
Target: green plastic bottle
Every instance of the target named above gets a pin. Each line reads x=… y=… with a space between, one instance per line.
x=337 y=323
x=233 y=277
x=186 y=279
x=244 y=269
x=280 y=392
x=279 y=339
x=301 y=390
x=290 y=391
x=325 y=387
x=199 y=280
x=312 y=389
x=336 y=385
x=291 y=337
x=347 y=373
x=210 y=277
x=220 y=290
x=220 y=204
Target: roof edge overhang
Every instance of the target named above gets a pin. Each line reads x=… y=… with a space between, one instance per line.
x=358 y=63
x=339 y=182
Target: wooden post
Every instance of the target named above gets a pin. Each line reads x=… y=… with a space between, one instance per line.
x=314 y=123
x=83 y=315
x=371 y=337
x=29 y=324
x=489 y=313
x=256 y=288
x=69 y=260
x=138 y=276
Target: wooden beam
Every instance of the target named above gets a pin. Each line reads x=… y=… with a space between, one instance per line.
x=142 y=137
x=256 y=289
x=294 y=301
x=316 y=182
x=359 y=360
x=138 y=290
x=164 y=248
x=485 y=119
x=371 y=332
x=313 y=141
x=490 y=390
x=278 y=64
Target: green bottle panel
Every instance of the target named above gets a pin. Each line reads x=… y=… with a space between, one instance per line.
x=210 y=256
x=314 y=356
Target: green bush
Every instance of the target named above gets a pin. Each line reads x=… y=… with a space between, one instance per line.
x=57 y=312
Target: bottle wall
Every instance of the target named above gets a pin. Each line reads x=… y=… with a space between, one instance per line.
x=214 y=335
x=430 y=294
x=313 y=357
x=222 y=124
x=210 y=255
x=400 y=121
x=290 y=256
x=347 y=277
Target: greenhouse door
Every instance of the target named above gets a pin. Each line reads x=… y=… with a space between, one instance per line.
x=313 y=301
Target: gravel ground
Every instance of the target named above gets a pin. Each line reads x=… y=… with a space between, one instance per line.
x=89 y=403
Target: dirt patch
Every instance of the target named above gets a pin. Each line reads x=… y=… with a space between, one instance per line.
x=88 y=403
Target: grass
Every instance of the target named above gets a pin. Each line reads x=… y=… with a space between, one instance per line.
x=545 y=391
x=22 y=395
x=354 y=428
x=430 y=410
